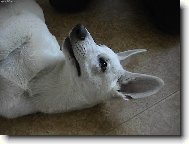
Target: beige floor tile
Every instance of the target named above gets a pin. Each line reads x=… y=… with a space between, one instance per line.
x=161 y=119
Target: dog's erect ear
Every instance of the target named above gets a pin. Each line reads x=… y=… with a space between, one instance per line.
x=134 y=85
x=124 y=55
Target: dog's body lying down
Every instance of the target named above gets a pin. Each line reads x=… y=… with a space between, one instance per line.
x=36 y=76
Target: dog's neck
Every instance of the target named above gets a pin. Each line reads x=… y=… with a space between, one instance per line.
x=56 y=90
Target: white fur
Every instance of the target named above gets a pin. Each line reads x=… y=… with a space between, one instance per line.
x=36 y=76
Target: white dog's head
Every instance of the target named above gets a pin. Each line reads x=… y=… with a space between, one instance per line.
x=98 y=72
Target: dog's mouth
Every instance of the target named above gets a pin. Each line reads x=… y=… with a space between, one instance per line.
x=69 y=48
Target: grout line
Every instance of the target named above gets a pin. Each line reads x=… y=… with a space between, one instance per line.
x=142 y=111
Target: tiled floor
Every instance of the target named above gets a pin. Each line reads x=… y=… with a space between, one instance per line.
x=121 y=25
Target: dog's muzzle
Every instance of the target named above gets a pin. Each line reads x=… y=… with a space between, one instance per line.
x=79 y=32
x=68 y=47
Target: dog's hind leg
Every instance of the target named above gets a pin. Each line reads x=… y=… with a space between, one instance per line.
x=13 y=33
x=17 y=30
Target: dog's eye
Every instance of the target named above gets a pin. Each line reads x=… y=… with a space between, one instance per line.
x=103 y=64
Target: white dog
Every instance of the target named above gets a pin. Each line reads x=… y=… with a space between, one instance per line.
x=36 y=76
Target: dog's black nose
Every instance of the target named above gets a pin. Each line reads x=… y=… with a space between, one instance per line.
x=80 y=32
